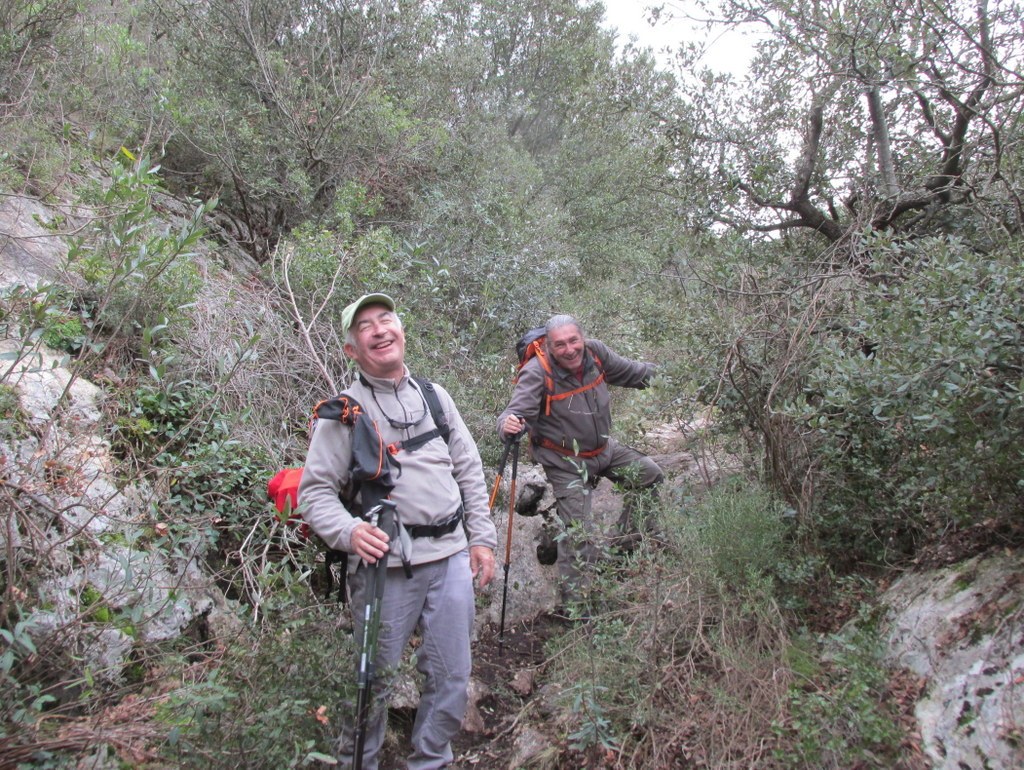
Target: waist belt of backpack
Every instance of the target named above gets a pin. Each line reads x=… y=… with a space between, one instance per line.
x=334 y=556
x=567 y=451
x=446 y=527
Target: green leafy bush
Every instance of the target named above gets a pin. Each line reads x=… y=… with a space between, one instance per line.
x=138 y=270
x=922 y=432
x=210 y=474
x=274 y=703
x=66 y=333
x=740 y=531
x=162 y=417
x=840 y=718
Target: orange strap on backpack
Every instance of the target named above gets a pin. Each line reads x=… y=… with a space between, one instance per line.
x=536 y=350
x=569 y=393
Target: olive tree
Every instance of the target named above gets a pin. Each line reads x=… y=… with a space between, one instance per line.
x=866 y=168
x=870 y=115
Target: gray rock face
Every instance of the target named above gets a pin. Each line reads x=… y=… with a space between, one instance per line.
x=532 y=586
x=136 y=595
x=102 y=591
x=29 y=252
x=962 y=629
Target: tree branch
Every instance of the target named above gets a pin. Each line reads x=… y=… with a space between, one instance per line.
x=880 y=131
x=800 y=201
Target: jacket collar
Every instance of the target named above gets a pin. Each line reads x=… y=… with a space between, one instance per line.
x=384 y=383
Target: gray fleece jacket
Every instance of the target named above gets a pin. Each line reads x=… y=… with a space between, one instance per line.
x=434 y=479
x=582 y=421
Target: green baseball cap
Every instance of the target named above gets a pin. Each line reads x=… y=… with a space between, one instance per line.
x=349 y=313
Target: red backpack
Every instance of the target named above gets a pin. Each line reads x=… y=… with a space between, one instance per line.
x=283 y=490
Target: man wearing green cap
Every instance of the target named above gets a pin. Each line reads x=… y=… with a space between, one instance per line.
x=441 y=498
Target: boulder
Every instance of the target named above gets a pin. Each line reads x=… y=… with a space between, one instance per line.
x=960 y=629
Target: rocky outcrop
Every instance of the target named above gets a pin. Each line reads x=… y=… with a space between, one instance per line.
x=86 y=533
x=961 y=629
x=30 y=251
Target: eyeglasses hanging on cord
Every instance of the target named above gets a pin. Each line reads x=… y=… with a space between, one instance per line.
x=400 y=424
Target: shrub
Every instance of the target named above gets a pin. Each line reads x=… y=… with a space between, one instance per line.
x=138 y=271
x=158 y=418
x=275 y=702
x=673 y=669
x=740 y=531
x=840 y=718
x=65 y=333
x=921 y=433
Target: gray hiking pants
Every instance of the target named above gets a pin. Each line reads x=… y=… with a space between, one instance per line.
x=439 y=601
x=579 y=551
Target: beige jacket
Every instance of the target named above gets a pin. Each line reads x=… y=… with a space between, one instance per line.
x=433 y=481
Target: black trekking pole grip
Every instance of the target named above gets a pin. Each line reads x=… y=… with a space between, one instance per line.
x=501 y=473
x=381 y=516
x=508 y=535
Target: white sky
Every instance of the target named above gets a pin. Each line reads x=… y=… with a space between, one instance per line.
x=729 y=53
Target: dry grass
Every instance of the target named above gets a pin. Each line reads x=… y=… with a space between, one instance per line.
x=127 y=728
x=689 y=675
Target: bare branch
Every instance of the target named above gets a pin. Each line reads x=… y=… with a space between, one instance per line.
x=305 y=328
x=880 y=132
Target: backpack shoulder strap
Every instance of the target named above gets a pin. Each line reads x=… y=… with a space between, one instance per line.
x=343 y=408
x=434 y=404
x=347 y=411
x=535 y=349
x=370 y=466
x=549 y=382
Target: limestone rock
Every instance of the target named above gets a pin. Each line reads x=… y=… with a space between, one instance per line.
x=960 y=628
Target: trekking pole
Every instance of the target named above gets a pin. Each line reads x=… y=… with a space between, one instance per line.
x=514 y=443
x=501 y=472
x=383 y=517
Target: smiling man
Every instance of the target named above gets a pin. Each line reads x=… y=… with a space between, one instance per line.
x=441 y=499
x=567 y=411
